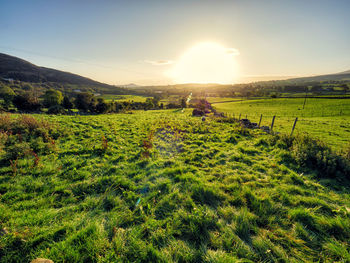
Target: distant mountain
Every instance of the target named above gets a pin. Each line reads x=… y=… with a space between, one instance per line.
x=130 y=86
x=18 y=69
x=250 y=79
x=328 y=77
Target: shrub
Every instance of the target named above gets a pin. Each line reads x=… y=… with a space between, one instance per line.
x=313 y=154
x=7 y=94
x=56 y=109
x=101 y=106
x=17 y=150
x=25 y=135
x=67 y=103
x=84 y=101
x=197 y=112
x=316 y=155
x=26 y=102
x=52 y=98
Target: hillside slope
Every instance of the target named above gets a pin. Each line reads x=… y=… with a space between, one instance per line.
x=345 y=76
x=19 y=69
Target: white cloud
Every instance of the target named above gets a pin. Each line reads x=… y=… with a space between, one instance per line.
x=159 y=62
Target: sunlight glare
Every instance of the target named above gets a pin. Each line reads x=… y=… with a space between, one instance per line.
x=206 y=62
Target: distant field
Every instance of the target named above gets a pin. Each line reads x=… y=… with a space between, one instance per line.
x=134 y=98
x=301 y=94
x=220 y=100
x=327 y=119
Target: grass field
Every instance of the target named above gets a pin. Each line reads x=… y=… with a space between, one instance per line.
x=162 y=186
x=134 y=98
x=221 y=100
x=327 y=119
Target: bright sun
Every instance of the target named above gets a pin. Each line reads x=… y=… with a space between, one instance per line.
x=206 y=62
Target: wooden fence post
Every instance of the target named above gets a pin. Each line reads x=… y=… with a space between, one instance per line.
x=295 y=122
x=260 y=120
x=272 y=123
x=306 y=90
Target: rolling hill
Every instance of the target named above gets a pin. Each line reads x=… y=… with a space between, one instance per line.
x=327 y=77
x=18 y=69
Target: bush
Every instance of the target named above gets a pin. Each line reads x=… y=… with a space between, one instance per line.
x=17 y=150
x=314 y=154
x=26 y=102
x=7 y=94
x=84 y=101
x=67 y=103
x=52 y=98
x=101 y=106
x=57 y=109
x=25 y=135
x=197 y=112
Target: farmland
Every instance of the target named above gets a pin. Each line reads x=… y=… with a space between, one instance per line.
x=326 y=119
x=111 y=97
x=162 y=186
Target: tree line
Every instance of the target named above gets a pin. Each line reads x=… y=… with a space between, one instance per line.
x=87 y=102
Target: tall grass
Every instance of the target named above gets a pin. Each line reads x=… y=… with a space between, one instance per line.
x=207 y=192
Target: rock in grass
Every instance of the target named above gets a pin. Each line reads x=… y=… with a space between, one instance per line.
x=41 y=260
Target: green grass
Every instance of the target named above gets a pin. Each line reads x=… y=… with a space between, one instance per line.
x=135 y=98
x=221 y=100
x=162 y=186
x=327 y=119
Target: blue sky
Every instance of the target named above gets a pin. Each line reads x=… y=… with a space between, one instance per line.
x=113 y=41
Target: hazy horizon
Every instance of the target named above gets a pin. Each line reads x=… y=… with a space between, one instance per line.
x=161 y=42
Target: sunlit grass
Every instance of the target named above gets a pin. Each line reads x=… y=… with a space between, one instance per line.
x=204 y=192
x=327 y=119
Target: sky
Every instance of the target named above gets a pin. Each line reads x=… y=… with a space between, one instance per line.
x=121 y=42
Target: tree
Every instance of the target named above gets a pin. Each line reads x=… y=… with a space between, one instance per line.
x=83 y=101
x=149 y=104
x=117 y=107
x=56 y=109
x=92 y=105
x=52 y=98
x=316 y=88
x=345 y=88
x=67 y=104
x=156 y=100
x=26 y=102
x=102 y=106
x=7 y=94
